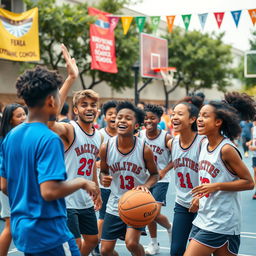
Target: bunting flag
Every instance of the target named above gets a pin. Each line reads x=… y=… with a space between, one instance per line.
x=170 y=22
x=155 y=22
x=236 y=16
x=113 y=21
x=186 y=19
x=140 y=22
x=102 y=42
x=19 y=35
x=219 y=17
x=126 y=22
x=202 y=19
x=252 y=13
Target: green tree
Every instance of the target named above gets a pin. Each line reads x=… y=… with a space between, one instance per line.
x=202 y=60
x=69 y=24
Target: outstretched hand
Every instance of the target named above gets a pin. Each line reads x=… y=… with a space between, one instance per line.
x=72 y=68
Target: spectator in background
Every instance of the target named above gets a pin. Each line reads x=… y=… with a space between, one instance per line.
x=200 y=94
x=246 y=135
x=63 y=116
x=141 y=105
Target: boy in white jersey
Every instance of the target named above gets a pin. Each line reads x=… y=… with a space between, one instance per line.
x=157 y=140
x=82 y=143
x=109 y=111
x=222 y=173
x=185 y=148
x=125 y=160
x=252 y=146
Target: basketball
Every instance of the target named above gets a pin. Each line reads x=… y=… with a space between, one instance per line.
x=137 y=208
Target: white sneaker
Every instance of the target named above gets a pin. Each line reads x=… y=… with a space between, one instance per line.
x=152 y=249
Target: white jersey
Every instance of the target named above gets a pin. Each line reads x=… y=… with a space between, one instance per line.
x=220 y=211
x=79 y=159
x=106 y=137
x=160 y=150
x=254 y=140
x=128 y=171
x=185 y=166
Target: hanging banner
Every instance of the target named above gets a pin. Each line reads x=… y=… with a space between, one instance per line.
x=19 y=39
x=140 y=22
x=202 y=18
x=252 y=13
x=126 y=22
x=186 y=19
x=219 y=17
x=113 y=21
x=155 y=22
x=236 y=16
x=170 y=22
x=102 y=42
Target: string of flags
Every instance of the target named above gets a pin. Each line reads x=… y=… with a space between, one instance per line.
x=155 y=20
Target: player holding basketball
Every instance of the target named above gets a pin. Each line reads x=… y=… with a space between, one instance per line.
x=216 y=229
x=82 y=143
x=157 y=140
x=185 y=149
x=33 y=166
x=125 y=160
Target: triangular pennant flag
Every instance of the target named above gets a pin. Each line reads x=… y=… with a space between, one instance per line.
x=126 y=22
x=140 y=22
x=252 y=13
x=170 y=22
x=219 y=17
x=236 y=16
x=113 y=21
x=155 y=22
x=202 y=18
x=186 y=19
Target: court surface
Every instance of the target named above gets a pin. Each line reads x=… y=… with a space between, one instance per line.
x=248 y=235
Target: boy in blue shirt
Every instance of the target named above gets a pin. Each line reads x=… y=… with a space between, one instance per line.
x=34 y=170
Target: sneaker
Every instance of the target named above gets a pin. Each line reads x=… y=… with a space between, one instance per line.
x=143 y=233
x=152 y=249
x=96 y=251
x=246 y=154
x=254 y=197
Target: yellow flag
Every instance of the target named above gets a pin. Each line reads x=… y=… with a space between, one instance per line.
x=19 y=35
x=126 y=22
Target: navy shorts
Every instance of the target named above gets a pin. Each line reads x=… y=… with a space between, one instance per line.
x=254 y=161
x=215 y=240
x=68 y=248
x=114 y=227
x=82 y=221
x=104 y=196
x=159 y=191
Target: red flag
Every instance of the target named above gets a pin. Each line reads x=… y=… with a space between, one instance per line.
x=219 y=17
x=102 y=43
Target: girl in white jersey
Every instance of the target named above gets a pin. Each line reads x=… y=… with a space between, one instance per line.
x=185 y=148
x=222 y=174
x=157 y=140
x=126 y=163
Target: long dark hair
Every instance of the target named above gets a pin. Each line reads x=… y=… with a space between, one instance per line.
x=6 y=126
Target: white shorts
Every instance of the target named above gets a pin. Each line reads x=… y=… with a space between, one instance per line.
x=5 y=206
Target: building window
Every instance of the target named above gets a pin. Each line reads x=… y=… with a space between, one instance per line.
x=13 y=5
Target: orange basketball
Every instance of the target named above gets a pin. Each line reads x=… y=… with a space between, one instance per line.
x=137 y=208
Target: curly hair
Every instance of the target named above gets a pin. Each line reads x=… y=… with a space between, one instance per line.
x=139 y=114
x=193 y=104
x=155 y=109
x=235 y=107
x=34 y=85
x=109 y=104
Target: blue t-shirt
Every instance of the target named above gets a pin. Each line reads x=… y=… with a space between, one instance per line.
x=246 y=129
x=33 y=154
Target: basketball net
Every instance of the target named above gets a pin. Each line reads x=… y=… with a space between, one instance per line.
x=167 y=75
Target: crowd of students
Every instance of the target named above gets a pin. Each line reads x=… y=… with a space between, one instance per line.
x=58 y=174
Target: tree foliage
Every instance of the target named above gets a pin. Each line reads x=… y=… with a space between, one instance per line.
x=202 y=60
x=69 y=24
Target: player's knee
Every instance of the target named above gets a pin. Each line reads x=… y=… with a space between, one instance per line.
x=105 y=250
x=131 y=245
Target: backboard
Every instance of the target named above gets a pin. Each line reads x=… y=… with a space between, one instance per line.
x=153 y=54
x=250 y=64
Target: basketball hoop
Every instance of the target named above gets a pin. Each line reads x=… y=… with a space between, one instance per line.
x=167 y=74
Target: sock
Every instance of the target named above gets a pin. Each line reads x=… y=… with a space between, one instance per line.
x=154 y=240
